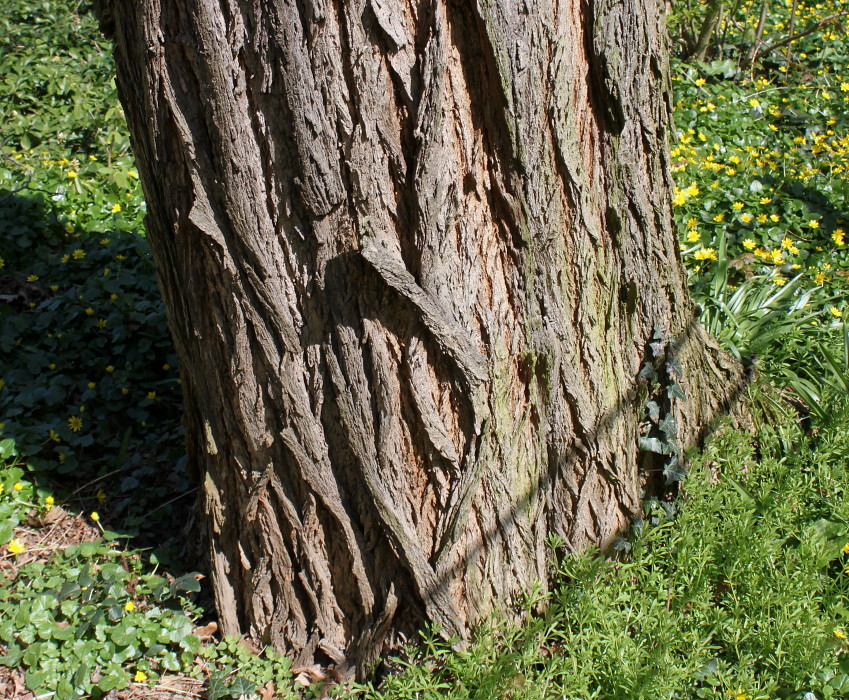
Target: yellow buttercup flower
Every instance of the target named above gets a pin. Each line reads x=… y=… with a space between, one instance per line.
x=75 y=423
x=705 y=254
x=15 y=547
x=129 y=606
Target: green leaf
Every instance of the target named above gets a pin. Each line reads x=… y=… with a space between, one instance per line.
x=216 y=686
x=674 y=391
x=188 y=582
x=7 y=448
x=673 y=471
x=242 y=686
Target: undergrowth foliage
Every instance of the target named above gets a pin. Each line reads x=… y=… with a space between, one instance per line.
x=738 y=589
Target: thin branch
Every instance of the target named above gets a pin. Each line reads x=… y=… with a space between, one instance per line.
x=793 y=37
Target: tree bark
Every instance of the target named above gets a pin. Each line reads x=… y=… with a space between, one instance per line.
x=422 y=276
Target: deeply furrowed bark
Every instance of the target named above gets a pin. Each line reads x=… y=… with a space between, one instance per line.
x=413 y=255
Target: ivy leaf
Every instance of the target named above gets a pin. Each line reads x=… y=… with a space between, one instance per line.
x=673 y=471
x=621 y=545
x=653 y=410
x=216 y=686
x=674 y=368
x=657 y=348
x=648 y=373
x=669 y=426
x=652 y=444
x=243 y=687
x=674 y=391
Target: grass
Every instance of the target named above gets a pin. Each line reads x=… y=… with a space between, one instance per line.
x=736 y=590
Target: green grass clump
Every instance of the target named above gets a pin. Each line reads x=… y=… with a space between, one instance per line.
x=738 y=590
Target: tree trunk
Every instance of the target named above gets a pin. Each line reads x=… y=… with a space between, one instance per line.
x=423 y=279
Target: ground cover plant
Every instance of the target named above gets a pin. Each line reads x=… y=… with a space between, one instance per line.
x=738 y=589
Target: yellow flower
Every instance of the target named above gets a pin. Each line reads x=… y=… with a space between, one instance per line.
x=846 y=548
x=761 y=218
x=813 y=223
x=749 y=244
x=49 y=501
x=693 y=236
x=91 y=385
x=166 y=366
x=54 y=288
x=766 y=200
x=133 y=174
x=780 y=281
x=72 y=174
x=89 y=311
x=140 y=677
x=742 y=696
x=101 y=323
x=774 y=218
x=844 y=87
x=738 y=205
x=776 y=256
x=110 y=368
x=75 y=423
x=700 y=81
x=95 y=516
x=115 y=208
x=54 y=435
x=718 y=217
x=837 y=313
x=78 y=254
x=839 y=633
x=745 y=218
x=32 y=278
x=66 y=258
x=100 y=496
x=787 y=243
x=129 y=606
x=151 y=395
x=15 y=547
x=837 y=236
x=125 y=390
x=705 y=254
x=18 y=486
